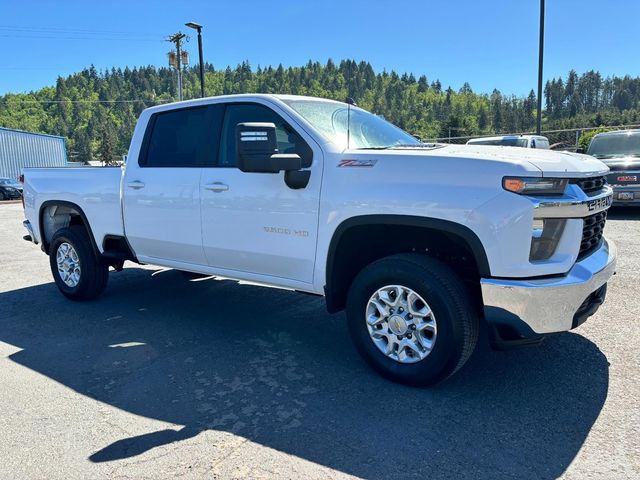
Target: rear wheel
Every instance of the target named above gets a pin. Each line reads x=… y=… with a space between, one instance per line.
x=412 y=319
x=2 y=196
x=79 y=273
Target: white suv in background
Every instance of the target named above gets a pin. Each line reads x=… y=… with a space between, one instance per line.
x=525 y=141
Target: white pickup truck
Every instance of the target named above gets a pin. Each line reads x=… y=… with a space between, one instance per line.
x=419 y=243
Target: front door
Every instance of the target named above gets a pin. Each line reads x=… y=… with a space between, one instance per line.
x=253 y=222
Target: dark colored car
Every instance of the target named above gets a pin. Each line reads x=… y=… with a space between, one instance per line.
x=10 y=189
x=620 y=151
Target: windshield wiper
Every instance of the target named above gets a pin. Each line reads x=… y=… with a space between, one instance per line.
x=375 y=148
x=414 y=145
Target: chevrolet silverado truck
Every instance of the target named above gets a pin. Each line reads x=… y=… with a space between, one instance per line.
x=418 y=242
x=620 y=151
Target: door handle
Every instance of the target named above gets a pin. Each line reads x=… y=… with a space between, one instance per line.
x=137 y=185
x=217 y=187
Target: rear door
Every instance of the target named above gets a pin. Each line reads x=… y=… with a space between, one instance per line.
x=162 y=192
x=253 y=222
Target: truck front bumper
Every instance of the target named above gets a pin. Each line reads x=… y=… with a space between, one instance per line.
x=528 y=308
x=626 y=195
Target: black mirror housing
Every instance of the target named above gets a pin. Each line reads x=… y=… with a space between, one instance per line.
x=257 y=152
x=255 y=144
x=581 y=150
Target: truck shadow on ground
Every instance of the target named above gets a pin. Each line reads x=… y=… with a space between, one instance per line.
x=273 y=367
x=624 y=213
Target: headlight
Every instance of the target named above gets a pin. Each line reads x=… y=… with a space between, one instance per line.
x=535 y=186
x=545 y=237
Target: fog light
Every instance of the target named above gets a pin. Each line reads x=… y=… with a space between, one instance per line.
x=545 y=236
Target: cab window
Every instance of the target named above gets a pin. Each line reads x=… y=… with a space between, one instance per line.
x=185 y=137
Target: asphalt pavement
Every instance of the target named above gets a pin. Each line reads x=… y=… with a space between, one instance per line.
x=165 y=377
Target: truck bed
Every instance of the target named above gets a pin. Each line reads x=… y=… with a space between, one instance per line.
x=96 y=190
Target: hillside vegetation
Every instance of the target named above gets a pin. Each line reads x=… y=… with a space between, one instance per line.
x=97 y=111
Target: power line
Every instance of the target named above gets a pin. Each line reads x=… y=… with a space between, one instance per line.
x=50 y=37
x=19 y=100
x=57 y=33
x=54 y=30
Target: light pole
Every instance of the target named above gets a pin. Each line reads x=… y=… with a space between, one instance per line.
x=540 y=56
x=198 y=27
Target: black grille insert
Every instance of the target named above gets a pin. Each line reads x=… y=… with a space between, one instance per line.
x=590 y=186
x=592 y=233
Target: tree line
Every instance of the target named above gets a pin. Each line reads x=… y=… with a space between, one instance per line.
x=97 y=111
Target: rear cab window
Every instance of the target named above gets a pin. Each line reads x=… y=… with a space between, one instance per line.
x=185 y=137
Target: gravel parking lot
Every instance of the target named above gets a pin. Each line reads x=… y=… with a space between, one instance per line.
x=164 y=377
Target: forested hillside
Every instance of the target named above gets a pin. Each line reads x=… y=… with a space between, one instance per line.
x=97 y=111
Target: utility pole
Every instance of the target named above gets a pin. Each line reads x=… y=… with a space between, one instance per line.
x=540 y=58
x=177 y=39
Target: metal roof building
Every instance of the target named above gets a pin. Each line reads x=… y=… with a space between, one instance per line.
x=20 y=149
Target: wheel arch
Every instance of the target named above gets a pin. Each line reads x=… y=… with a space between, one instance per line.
x=72 y=209
x=339 y=277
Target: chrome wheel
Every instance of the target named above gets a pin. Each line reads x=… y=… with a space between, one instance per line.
x=68 y=264
x=401 y=324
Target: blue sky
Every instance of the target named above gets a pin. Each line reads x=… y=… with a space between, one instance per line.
x=490 y=44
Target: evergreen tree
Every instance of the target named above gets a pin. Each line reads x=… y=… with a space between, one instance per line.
x=97 y=110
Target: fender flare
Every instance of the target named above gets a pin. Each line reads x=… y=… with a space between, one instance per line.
x=64 y=203
x=462 y=231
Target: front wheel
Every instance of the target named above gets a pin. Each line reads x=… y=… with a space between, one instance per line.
x=79 y=273
x=412 y=319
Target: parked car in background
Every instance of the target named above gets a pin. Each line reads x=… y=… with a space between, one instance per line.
x=524 y=141
x=10 y=189
x=620 y=151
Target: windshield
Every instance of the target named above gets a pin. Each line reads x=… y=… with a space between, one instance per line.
x=614 y=146
x=540 y=143
x=366 y=129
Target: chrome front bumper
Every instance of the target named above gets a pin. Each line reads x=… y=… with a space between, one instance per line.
x=630 y=190
x=547 y=305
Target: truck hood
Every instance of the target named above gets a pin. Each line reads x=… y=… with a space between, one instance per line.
x=550 y=163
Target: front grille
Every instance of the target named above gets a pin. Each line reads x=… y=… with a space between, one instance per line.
x=590 y=186
x=592 y=233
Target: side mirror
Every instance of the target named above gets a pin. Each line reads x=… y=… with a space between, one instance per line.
x=580 y=150
x=257 y=150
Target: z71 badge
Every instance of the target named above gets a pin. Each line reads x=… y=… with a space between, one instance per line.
x=357 y=163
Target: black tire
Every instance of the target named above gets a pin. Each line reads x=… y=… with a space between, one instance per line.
x=2 y=196
x=456 y=319
x=94 y=272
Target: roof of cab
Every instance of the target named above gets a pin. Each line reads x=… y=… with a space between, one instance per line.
x=240 y=96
